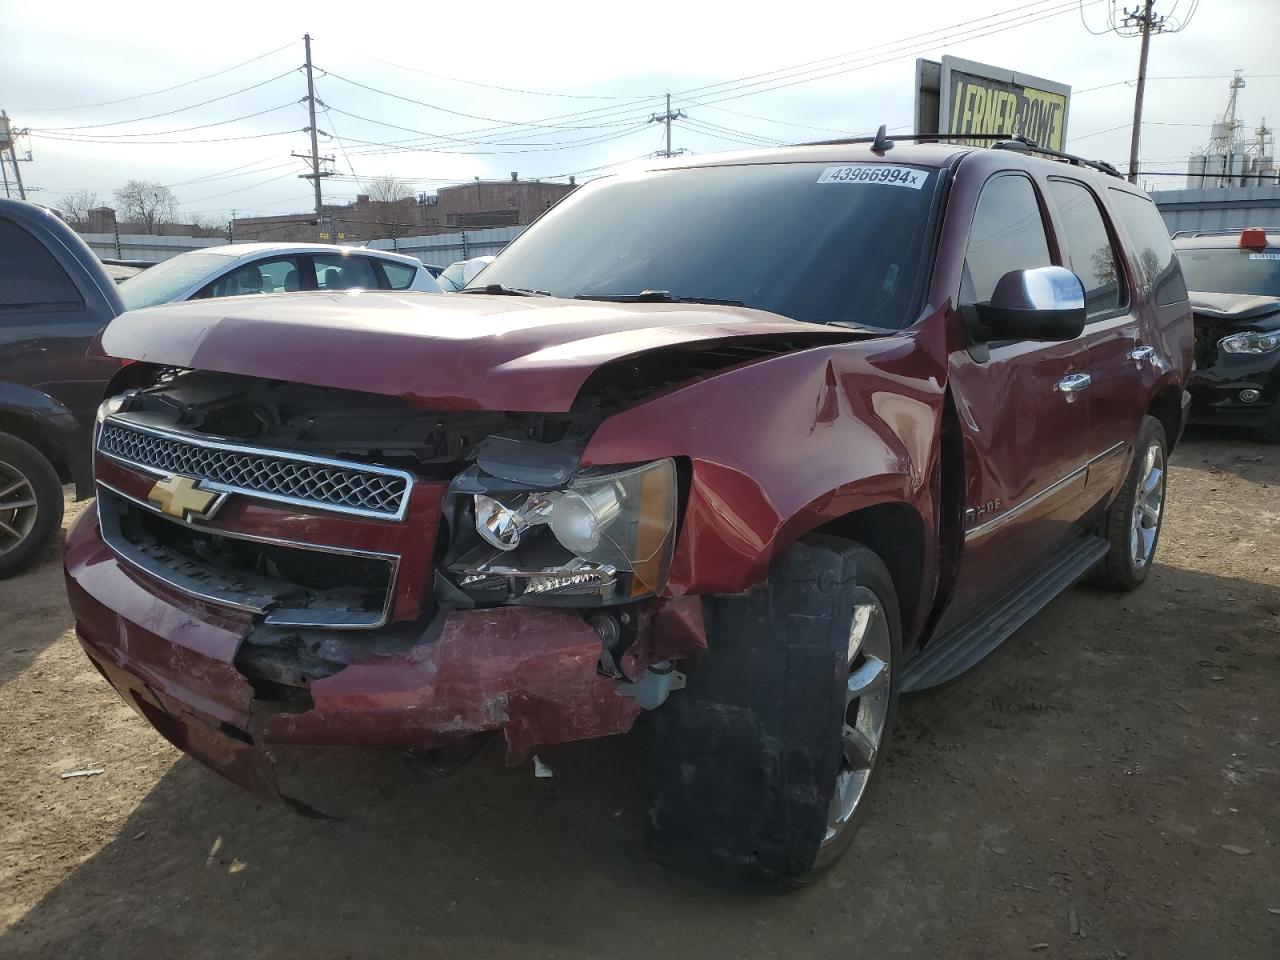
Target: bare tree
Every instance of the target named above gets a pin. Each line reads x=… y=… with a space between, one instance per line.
x=388 y=190
x=208 y=226
x=76 y=206
x=146 y=204
x=391 y=203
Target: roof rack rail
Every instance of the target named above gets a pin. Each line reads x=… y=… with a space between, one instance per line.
x=999 y=141
x=1022 y=144
x=1219 y=232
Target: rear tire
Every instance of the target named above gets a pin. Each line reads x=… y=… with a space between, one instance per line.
x=764 y=764
x=1133 y=521
x=30 y=503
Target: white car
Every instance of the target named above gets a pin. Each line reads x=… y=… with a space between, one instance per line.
x=461 y=272
x=249 y=268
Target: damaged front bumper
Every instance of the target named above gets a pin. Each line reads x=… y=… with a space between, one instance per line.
x=532 y=673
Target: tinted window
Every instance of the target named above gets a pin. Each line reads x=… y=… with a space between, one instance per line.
x=1089 y=251
x=1008 y=234
x=399 y=275
x=29 y=275
x=261 y=276
x=1153 y=251
x=812 y=241
x=338 y=272
x=173 y=278
x=1232 y=270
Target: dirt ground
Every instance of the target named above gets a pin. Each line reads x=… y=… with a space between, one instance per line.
x=1106 y=785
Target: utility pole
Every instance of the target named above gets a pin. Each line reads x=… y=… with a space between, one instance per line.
x=1142 y=22
x=315 y=158
x=7 y=135
x=1145 y=21
x=667 y=118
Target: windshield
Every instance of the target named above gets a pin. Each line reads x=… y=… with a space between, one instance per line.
x=812 y=241
x=1232 y=270
x=164 y=281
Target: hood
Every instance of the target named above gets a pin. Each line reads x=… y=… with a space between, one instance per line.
x=451 y=352
x=1233 y=307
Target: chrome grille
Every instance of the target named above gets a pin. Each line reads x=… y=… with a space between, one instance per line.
x=270 y=474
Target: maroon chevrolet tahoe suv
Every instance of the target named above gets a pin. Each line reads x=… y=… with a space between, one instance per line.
x=743 y=446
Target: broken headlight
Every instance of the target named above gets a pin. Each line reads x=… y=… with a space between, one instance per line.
x=604 y=537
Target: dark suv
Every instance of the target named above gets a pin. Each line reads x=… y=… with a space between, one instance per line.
x=1234 y=277
x=746 y=445
x=54 y=299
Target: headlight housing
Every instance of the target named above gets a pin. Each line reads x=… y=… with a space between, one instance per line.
x=1252 y=341
x=110 y=406
x=605 y=537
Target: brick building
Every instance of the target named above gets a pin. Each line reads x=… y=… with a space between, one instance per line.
x=482 y=203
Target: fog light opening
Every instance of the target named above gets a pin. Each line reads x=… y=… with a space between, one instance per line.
x=1250 y=396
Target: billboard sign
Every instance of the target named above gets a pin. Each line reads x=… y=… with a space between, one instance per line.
x=963 y=97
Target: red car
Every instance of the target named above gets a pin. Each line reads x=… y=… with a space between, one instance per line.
x=746 y=445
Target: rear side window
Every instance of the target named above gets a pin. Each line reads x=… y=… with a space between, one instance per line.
x=1089 y=251
x=1153 y=251
x=336 y=272
x=29 y=275
x=399 y=275
x=262 y=276
x=1008 y=234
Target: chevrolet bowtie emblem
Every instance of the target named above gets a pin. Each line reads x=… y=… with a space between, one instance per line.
x=179 y=497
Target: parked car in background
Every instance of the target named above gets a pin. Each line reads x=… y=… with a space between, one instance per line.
x=461 y=272
x=1234 y=278
x=54 y=299
x=249 y=268
x=635 y=468
x=121 y=270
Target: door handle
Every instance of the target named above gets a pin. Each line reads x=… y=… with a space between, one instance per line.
x=1072 y=384
x=1139 y=354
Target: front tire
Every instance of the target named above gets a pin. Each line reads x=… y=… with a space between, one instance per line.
x=30 y=503
x=1133 y=521
x=764 y=764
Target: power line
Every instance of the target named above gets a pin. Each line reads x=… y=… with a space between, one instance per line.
x=152 y=93
x=532 y=93
x=152 y=143
x=105 y=138
x=1035 y=8
x=434 y=106
x=802 y=77
x=166 y=113
x=727 y=87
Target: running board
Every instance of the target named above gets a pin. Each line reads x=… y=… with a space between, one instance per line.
x=950 y=655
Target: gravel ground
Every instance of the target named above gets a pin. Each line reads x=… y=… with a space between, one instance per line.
x=1106 y=785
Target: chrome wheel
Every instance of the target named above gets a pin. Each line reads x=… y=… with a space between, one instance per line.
x=866 y=708
x=1148 y=502
x=18 y=508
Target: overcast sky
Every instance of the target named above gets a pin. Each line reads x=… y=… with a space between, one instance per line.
x=581 y=87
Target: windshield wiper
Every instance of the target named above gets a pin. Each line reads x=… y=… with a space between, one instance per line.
x=656 y=296
x=498 y=290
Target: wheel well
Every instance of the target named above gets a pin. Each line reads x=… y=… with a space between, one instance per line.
x=895 y=533
x=1166 y=406
x=25 y=429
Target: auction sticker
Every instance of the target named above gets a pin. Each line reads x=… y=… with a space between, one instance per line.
x=1264 y=256
x=876 y=173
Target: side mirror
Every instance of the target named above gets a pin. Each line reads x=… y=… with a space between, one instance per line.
x=1044 y=303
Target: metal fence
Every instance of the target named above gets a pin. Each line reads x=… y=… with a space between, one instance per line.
x=441 y=249
x=144 y=246
x=1228 y=208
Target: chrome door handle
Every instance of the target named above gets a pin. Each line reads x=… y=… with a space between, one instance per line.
x=1139 y=354
x=1072 y=384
